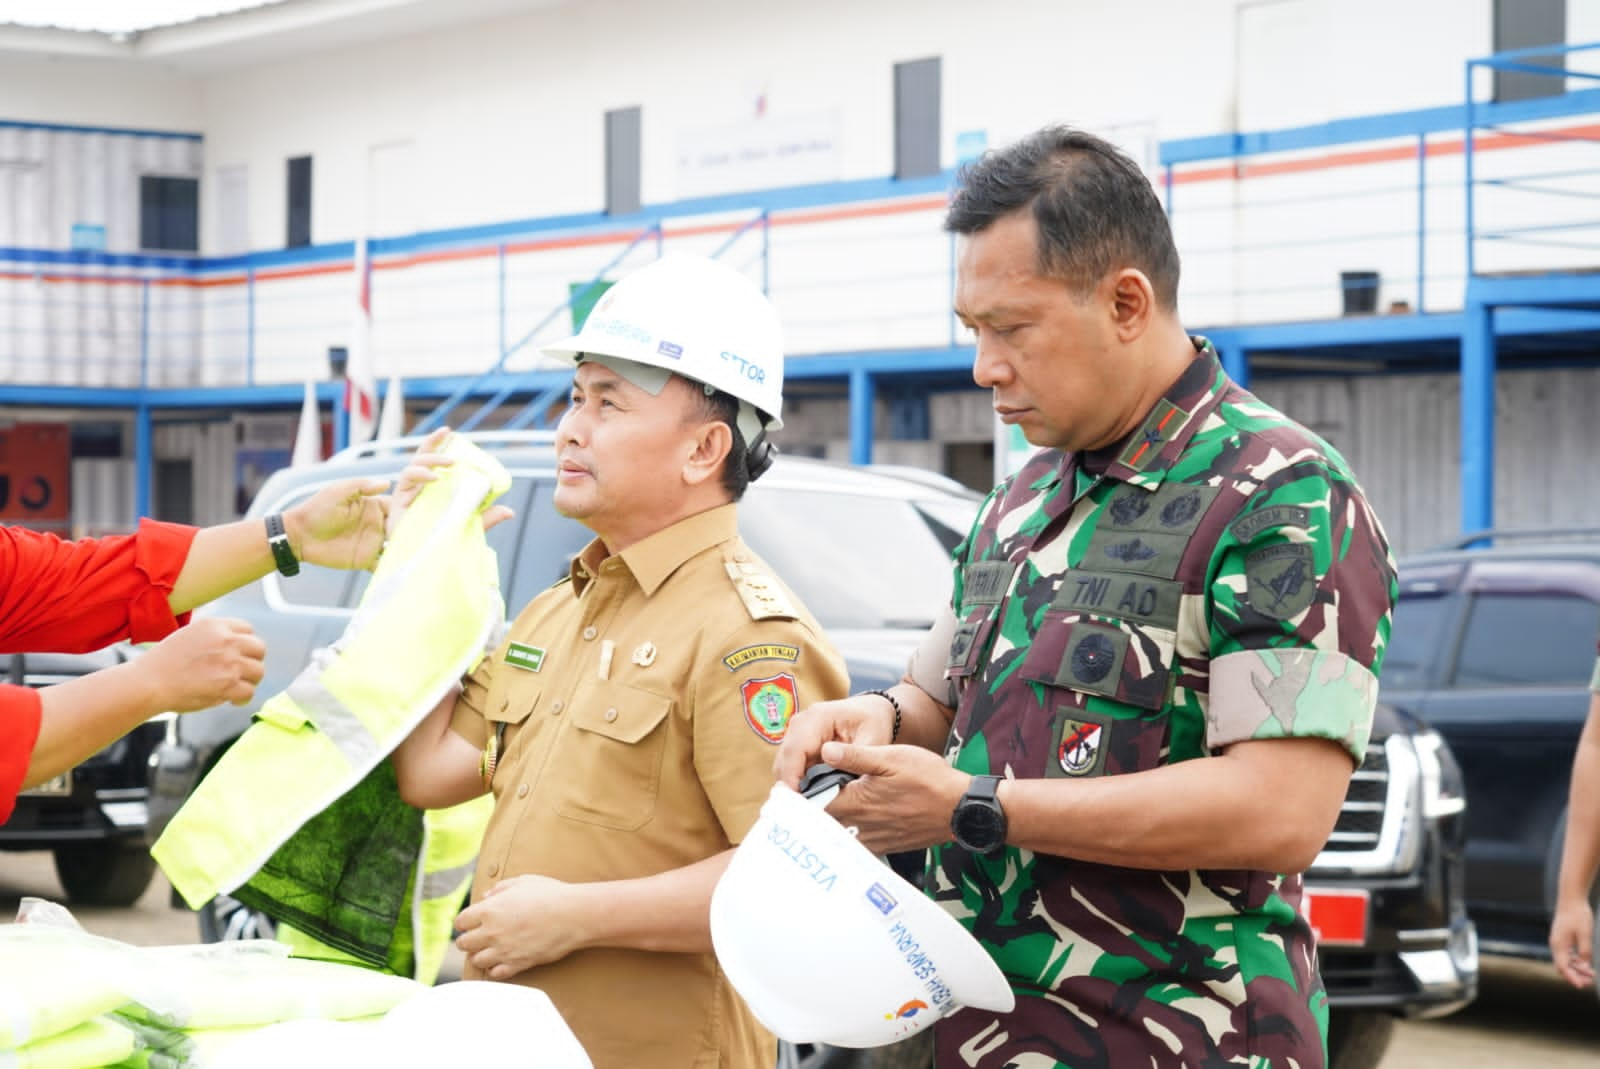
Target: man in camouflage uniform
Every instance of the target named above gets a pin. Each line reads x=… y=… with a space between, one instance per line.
x=1164 y=643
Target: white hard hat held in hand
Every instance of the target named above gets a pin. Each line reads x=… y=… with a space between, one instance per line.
x=828 y=945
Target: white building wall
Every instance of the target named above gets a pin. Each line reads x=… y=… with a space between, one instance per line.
x=500 y=120
x=84 y=91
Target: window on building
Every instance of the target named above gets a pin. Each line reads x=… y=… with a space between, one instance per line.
x=1529 y=24
x=299 y=202
x=623 y=127
x=916 y=118
x=169 y=214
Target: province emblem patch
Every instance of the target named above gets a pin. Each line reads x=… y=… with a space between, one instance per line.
x=769 y=703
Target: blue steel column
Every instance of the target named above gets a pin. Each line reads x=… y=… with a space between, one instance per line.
x=1235 y=361
x=861 y=405
x=143 y=439
x=144 y=456
x=341 y=421
x=1477 y=415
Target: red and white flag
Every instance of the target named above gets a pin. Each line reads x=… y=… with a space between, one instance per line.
x=360 y=377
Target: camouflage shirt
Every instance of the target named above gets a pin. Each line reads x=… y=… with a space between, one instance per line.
x=1216 y=577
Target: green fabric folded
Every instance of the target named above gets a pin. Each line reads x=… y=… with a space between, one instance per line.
x=345 y=877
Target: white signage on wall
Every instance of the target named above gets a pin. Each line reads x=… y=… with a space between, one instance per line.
x=759 y=153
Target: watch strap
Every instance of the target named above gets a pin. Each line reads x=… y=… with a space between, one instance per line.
x=984 y=788
x=282 y=552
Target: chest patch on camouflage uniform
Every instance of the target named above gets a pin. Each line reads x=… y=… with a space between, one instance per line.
x=1080 y=746
x=1280 y=580
x=985 y=582
x=769 y=703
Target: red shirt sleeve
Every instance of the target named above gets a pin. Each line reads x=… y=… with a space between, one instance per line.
x=71 y=597
x=19 y=730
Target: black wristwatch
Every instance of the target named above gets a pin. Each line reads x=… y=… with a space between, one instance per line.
x=979 y=823
x=282 y=551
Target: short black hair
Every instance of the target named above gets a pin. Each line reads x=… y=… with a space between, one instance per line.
x=719 y=406
x=1095 y=208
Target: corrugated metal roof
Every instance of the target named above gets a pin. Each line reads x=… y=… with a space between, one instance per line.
x=119 y=16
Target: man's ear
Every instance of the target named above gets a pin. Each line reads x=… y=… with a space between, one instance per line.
x=712 y=442
x=1132 y=302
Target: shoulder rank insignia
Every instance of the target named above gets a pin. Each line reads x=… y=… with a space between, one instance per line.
x=763 y=598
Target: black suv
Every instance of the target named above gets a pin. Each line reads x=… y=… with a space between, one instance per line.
x=1495 y=646
x=868 y=552
x=91 y=818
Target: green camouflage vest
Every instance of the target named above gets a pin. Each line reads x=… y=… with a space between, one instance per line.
x=1091 y=599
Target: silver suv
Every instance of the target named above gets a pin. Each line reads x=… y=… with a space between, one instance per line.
x=867 y=551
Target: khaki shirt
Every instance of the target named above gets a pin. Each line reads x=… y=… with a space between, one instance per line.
x=637 y=708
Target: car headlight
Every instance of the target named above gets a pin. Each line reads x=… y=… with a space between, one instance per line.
x=1442 y=791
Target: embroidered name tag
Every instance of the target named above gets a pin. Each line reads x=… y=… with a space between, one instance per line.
x=529 y=658
x=769 y=652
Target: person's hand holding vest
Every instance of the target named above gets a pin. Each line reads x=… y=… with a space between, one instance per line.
x=212 y=660
x=342 y=525
x=420 y=472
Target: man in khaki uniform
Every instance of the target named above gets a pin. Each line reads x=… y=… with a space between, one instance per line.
x=628 y=724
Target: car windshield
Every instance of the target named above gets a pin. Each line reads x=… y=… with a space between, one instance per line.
x=858 y=561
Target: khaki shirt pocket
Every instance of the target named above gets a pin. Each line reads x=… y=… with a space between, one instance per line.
x=609 y=765
x=506 y=718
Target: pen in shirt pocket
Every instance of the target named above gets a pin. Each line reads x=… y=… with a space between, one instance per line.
x=607 y=649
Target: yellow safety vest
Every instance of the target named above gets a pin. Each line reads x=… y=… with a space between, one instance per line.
x=300 y=818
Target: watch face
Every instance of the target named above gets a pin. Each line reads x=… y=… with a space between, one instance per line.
x=980 y=826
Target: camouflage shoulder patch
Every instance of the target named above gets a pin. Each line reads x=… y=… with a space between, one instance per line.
x=763 y=598
x=1280 y=580
x=766 y=652
x=1291 y=692
x=769 y=703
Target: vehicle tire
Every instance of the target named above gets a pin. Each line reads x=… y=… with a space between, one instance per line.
x=1357 y=1039
x=915 y=1052
x=225 y=919
x=104 y=873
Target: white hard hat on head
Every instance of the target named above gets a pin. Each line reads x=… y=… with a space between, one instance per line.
x=826 y=944
x=698 y=318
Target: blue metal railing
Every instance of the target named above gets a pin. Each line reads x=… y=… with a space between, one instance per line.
x=441 y=413
x=1479 y=115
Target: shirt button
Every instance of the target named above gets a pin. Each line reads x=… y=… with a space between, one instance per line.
x=589 y=632
x=611 y=714
x=494 y=869
x=522 y=791
x=555 y=710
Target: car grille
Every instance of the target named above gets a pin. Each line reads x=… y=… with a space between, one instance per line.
x=1357 y=973
x=1376 y=833
x=1361 y=818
